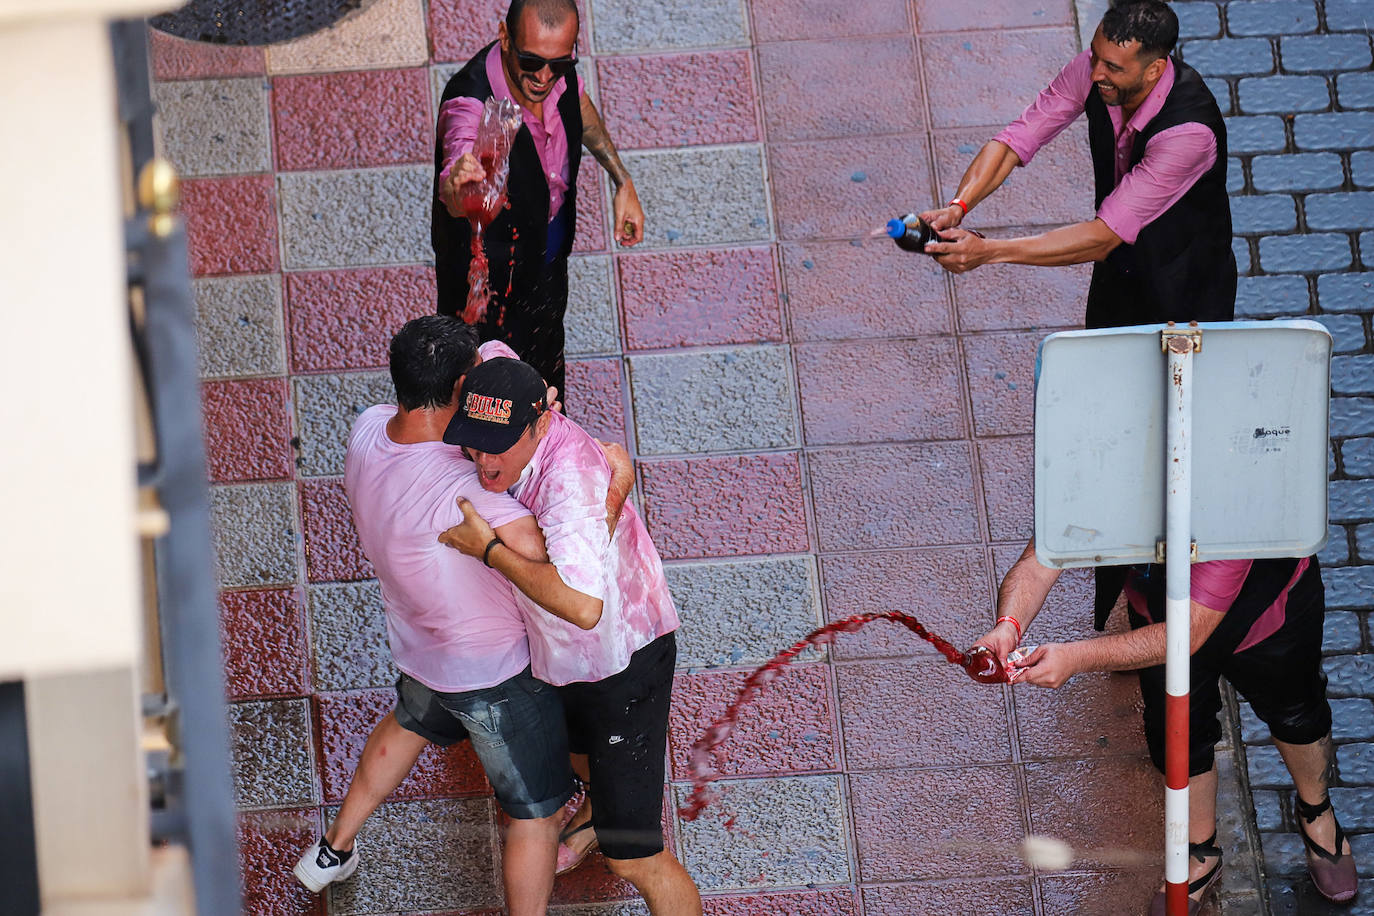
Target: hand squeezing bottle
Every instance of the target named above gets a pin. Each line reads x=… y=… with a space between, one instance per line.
x=911 y=233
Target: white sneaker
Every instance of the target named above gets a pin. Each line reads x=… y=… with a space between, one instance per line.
x=321 y=865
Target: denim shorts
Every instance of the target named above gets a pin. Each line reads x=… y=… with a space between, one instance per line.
x=516 y=728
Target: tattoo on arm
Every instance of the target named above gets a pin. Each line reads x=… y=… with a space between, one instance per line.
x=598 y=143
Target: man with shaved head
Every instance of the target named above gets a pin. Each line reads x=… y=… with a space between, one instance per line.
x=533 y=63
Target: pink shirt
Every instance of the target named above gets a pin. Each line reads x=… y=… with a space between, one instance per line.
x=565 y=486
x=453 y=624
x=459 y=117
x=1174 y=158
x=1216 y=584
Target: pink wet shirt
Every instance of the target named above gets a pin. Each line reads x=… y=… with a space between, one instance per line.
x=1216 y=583
x=453 y=624
x=565 y=486
x=1174 y=159
x=459 y=117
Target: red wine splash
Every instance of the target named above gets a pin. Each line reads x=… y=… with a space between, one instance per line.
x=980 y=663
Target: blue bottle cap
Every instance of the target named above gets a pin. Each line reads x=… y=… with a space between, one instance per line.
x=896 y=228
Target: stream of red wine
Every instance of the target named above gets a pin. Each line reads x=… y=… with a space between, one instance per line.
x=480 y=207
x=981 y=664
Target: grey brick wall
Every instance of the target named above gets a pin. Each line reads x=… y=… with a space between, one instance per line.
x=1298 y=73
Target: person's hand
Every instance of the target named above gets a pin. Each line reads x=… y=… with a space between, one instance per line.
x=945 y=217
x=472 y=535
x=1001 y=639
x=551 y=398
x=629 y=215
x=963 y=250
x=619 y=459
x=465 y=171
x=1050 y=665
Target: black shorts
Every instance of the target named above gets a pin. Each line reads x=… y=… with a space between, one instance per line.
x=1281 y=676
x=621 y=724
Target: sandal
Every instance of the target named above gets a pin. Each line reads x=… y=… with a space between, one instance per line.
x=1332 y=872
x=568 y=858
x=1201 y=852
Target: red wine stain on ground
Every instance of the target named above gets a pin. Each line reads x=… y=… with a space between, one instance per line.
x=981 y=665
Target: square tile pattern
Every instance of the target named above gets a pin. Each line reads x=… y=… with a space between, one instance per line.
x=824 y=425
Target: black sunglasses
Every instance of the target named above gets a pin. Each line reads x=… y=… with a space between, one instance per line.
x=533 y=63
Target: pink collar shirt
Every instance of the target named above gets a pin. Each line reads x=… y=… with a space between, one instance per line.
x=459 y=117
x=1173 y=160
x=565 y=486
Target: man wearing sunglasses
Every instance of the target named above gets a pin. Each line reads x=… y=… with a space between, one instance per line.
x=533 y=63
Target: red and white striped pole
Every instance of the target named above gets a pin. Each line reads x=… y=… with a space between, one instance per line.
x=1177 y=589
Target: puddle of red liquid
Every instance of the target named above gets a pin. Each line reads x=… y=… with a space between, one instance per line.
x=982 y=665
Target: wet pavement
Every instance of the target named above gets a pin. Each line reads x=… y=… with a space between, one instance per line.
x=823 y=426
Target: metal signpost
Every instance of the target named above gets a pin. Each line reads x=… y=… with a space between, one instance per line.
x=1242 y=433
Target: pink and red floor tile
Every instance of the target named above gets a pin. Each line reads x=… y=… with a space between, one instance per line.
x=352 y=119
x=332 y=551
x=789 y=728
x=247 y=430
x=343 y=319
x=674 y=100
x=265 y=650
x=346 y=720
x=818 y=89
x=231 y=225
x=727 y=506
x=699 y=298
x=175 y=58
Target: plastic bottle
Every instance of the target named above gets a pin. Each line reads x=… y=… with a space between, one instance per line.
x=911 y=233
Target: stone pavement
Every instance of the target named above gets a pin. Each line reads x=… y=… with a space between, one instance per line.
x=823 y=425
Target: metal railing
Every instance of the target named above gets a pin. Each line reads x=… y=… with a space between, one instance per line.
x=190 y=778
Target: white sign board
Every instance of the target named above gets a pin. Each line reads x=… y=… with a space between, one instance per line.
x=1259 y=449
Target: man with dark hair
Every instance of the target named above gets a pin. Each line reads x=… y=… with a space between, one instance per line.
x=615 y=680
x=1258 y=623
x=533 y=64
x=1161 y=239
x=455 y=630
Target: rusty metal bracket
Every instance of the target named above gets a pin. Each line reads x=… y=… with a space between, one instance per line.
x=1192 y=333
x=1159 y=551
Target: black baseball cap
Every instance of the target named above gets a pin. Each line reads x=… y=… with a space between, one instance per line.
x=499 y=399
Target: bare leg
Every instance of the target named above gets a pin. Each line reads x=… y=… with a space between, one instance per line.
x=662 y=882
x=389 y=754
x=1312 y=767
x=579 y=841
x=1202 y=818
x=527 y=864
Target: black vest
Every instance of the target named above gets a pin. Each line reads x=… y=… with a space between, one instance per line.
x=1263 y=584
x=1181 y=266
x=518 y=236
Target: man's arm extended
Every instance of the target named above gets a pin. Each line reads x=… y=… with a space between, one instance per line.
x=985 y=174
x=629 y=215
x=1052 y=664
x=1078 y=243
x=1022 y=592
x=524 y=563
